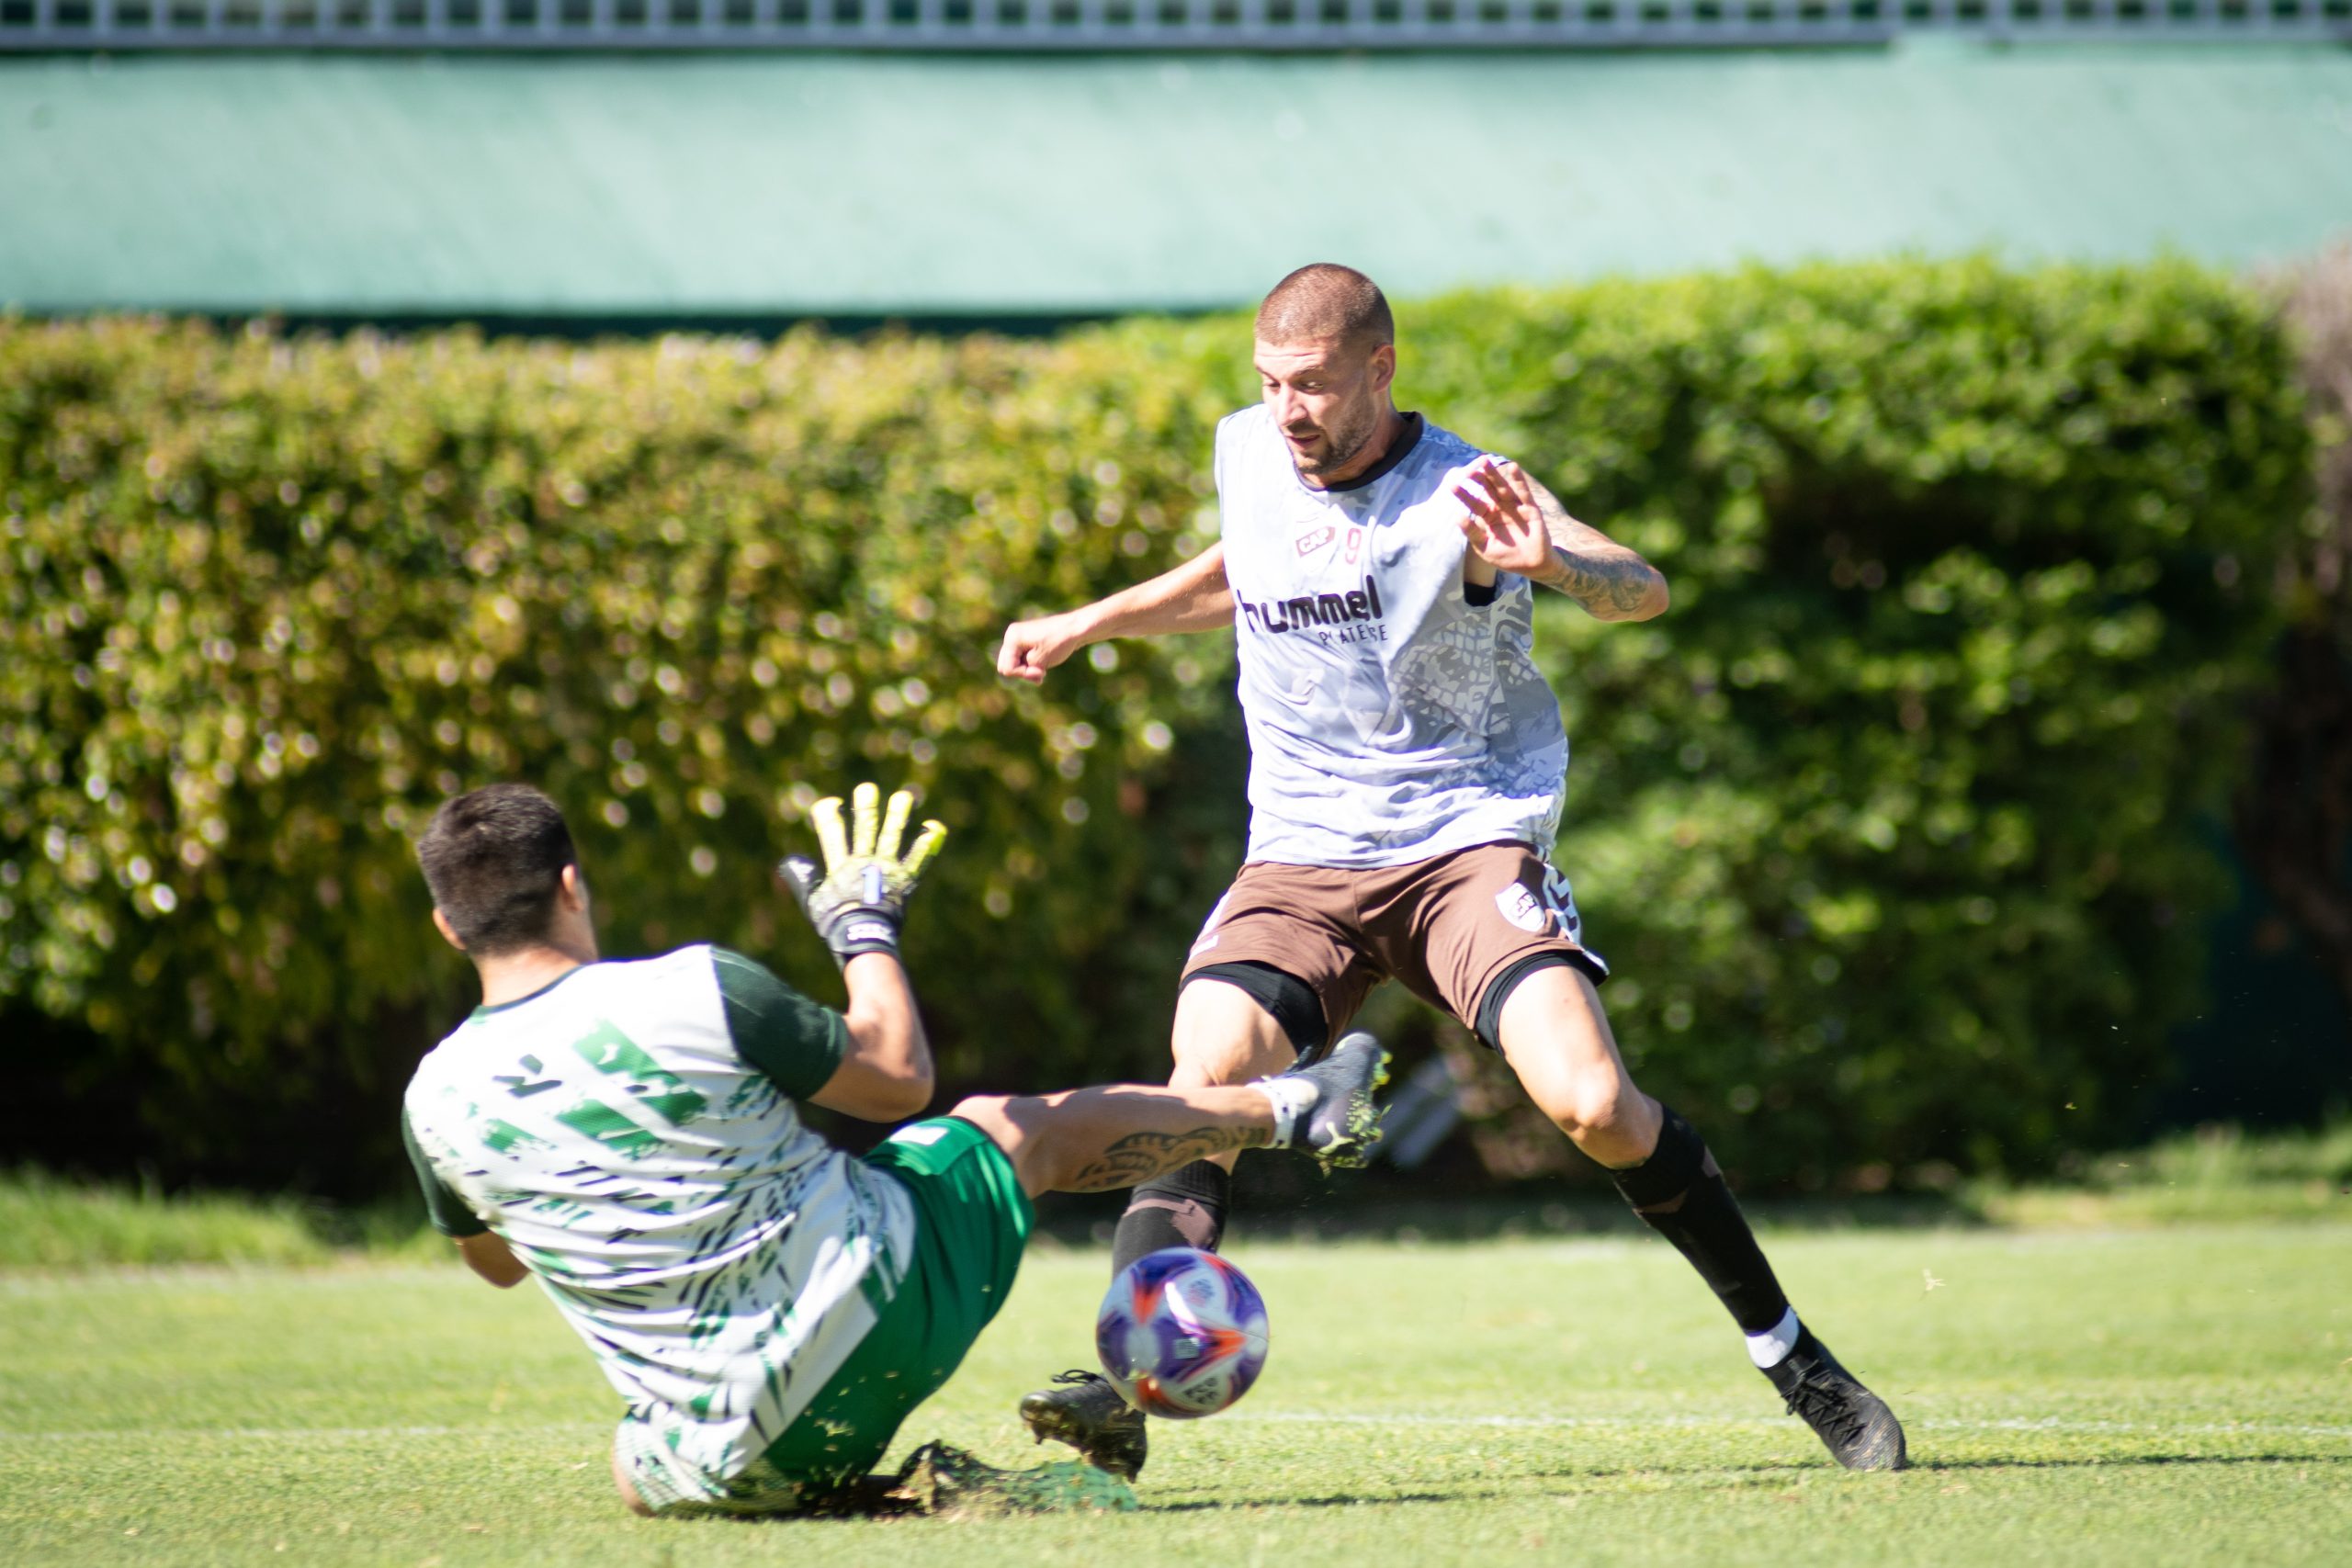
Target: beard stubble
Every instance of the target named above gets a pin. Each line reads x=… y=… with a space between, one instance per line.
x=1345 y=443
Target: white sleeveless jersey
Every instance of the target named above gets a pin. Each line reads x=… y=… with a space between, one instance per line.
x=720 y=1258
x=1390 y=719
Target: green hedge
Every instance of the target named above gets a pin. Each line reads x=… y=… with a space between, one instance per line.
x=1888 y=826
x=1900 y=823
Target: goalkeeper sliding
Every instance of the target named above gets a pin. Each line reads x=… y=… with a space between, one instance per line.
x=770 y=1308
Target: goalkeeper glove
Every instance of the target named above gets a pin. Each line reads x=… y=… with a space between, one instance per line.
x=858 y=898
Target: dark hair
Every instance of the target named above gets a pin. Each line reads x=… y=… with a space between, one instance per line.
x=1323 y=299
x=495 y=859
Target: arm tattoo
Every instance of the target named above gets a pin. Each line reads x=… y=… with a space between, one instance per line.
x=1608 y=585
x=1139 y=1156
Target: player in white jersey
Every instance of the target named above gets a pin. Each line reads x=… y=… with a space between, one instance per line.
x=1407 y=760
x=628 y=1132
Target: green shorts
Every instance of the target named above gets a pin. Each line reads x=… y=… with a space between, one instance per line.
x=971 y=1222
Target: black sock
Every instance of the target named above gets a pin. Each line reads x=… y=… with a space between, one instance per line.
x=1184 y=1208
x=1680 y=1194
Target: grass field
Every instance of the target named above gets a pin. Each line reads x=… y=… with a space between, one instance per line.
x=2129 y=1398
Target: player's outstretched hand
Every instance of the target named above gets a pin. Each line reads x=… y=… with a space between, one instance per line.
x=1504 y=524
x=1032 y=648
x=857 y=900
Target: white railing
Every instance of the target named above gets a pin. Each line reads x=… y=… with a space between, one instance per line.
x=1121 y=25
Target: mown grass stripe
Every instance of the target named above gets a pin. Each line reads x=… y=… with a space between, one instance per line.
x=1287 y=1418
x=2004 y=1424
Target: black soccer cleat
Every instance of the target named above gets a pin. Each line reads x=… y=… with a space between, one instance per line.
x=1084 y=1410
x=1344 y=1122
x=1852 y=1422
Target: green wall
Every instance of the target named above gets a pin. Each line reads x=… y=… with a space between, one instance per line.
x=780 y=185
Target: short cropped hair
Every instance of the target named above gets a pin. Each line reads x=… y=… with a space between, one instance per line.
x=1323 y=299
x=495 y=859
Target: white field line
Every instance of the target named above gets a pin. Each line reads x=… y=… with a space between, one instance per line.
x=1280 y=1418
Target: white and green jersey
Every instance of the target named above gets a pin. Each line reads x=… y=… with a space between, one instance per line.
x=630 y=1133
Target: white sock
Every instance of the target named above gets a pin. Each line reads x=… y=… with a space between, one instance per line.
x=1290 y=1097
x=1771 y=1348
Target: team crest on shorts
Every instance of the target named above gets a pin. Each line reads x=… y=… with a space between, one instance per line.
x=1522 y=909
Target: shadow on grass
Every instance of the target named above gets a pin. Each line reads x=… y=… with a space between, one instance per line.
x=878 y=1500
x=2127 y=1462
x=1778 y=1477
x=878 y=1497
x=1210 y=1506
x=1762 y=1478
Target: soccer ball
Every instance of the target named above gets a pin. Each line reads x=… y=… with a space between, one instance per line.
x=1182 y=1333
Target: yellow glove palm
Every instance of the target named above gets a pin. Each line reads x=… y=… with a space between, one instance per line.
x=857 y=900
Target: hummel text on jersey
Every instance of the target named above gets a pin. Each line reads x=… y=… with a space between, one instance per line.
x=1314 y=612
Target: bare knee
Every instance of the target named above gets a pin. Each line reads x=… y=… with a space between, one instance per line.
x=1558 y=1040
x=1003 y=1117
x=1596 y=1106
x=1608 y=1118
x=995 y=1114
x=1015 y=1124
x=1224 y=1035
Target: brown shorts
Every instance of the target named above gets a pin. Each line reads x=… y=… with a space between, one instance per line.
x=1449 y=928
